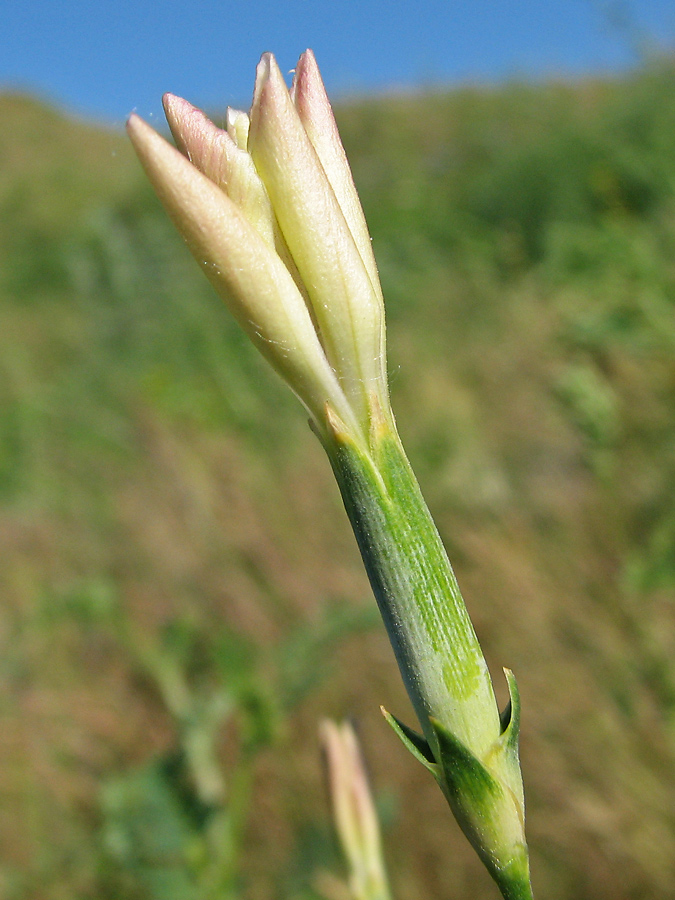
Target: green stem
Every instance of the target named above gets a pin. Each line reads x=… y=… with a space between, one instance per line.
x=416 y=590
x=471 y=752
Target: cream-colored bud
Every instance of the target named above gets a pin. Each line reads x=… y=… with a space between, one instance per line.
x=347 y=309
x=311 y=101
x=245 y=270
x=284 y=171
x=215 y=153
x=354 y=812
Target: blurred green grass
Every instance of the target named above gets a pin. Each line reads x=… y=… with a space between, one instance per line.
x=181 y=596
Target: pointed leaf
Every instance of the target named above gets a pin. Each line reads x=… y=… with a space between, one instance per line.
x=510 y=717
x=414 y=742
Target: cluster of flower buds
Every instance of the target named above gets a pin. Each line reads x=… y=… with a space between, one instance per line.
x=269 y=209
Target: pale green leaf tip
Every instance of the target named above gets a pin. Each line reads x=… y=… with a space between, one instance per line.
x=510 y=717
x=414 y=742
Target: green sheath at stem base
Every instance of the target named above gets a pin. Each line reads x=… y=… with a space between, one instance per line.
x=471 y=751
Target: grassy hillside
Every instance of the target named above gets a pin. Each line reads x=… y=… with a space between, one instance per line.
x=181 y=597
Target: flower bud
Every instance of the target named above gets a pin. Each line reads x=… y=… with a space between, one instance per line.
x=354 y=812
x=310 y=299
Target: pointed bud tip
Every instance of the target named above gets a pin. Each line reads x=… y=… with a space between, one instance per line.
x=137 y=128
x=176 y=110
x=172 y=103
x=306 y=63
x=268 y=77
x=237 y=124
x=262 y=75
x=179 y=111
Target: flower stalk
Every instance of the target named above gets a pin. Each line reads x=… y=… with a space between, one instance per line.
x=269 y=209
x=470 y=749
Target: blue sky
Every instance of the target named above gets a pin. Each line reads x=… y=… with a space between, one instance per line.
x=102 y=59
